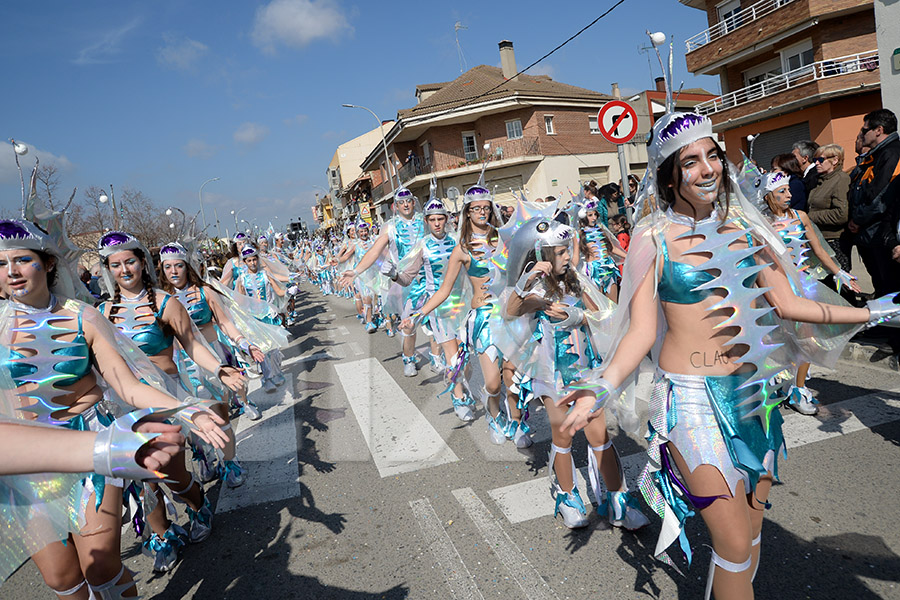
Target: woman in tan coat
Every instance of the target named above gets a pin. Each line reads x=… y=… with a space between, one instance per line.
x=828 y=207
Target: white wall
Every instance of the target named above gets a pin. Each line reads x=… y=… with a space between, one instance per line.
x=887 y=17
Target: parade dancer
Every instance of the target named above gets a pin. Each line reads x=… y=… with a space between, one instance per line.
x=360 y=248
x=144 y=314
x=54 y=350
x=707 y=290
x=202 y=304
x=347 y=260
x=400 y=234
x=801 y=237
x=549 y=315
x=597 y=250
x=430 y=257
x=259 y=284
x=234 y=266
x=478 y=245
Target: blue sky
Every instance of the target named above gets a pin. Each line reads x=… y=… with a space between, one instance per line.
x=160 y=96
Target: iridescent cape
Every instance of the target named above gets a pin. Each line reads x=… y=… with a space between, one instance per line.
x=249 y=316
x=36 y=510
x=455 y=307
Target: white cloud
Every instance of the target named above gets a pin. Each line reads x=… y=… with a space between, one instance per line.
x=297 y=23
x=542 y=69
x=196 y=148
x=250 y=133
x=180 y=53
x=105 y=49
x=297 y=120
x=8 y=171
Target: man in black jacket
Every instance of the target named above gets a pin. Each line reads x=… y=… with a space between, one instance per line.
x=873 y=198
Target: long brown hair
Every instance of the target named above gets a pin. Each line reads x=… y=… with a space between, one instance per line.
x=668 y=176
x=465 y=229
x=192 y=276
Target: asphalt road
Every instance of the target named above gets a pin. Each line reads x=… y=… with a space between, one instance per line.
x=363 y=485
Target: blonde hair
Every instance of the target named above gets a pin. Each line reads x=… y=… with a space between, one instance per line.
x=831 y=151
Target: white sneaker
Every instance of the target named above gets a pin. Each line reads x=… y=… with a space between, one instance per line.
x=622 y=510
x=437 y=364
x=801 y=400
x=409 y=367
x=571 y=507
x=234 y=474
x=252 y=411
x=496 y=428
x=200 y=525
x=522 y=438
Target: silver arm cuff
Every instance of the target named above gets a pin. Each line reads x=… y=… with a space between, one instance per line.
x=574 y=319
x=604 y=392
x=884 y=310
x=116 y=446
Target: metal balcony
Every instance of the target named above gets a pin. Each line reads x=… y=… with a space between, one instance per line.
x=743 y=17
x=824 y=69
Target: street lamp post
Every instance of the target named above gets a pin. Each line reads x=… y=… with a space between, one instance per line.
x=235 y=215
x=183 y=218
x=387 y=159
x=111 y=198
x=200 y=198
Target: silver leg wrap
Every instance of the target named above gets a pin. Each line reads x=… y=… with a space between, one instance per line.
x=71 y=591
x=756 y=542
x=718 y=561
x=111 y=590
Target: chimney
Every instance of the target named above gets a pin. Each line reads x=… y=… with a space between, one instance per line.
x=660 y=84
x=508 y=59
x=615 y=91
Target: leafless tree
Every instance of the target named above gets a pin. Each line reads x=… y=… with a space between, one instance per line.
x=47 y=177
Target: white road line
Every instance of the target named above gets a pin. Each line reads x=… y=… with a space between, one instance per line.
x=523 y=573
x=357 y=349
x=521 y=501
x=339 y=351
x=399 y=437
x=300 y=359
x=459 y=580
x=343 y=330
x=267 y=449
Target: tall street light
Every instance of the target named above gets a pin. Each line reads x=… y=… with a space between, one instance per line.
x=200 y=198
x=235 y=215
x=387 y=159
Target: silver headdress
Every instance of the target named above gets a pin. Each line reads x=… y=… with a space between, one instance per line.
x=478 y=191
x=775 y=180
x=403 y=193
x=239 y=236
x=435 y=206
x=248 y=251
x=535 y=234
x=173 y=251
x=119 y=241
x=22 y=235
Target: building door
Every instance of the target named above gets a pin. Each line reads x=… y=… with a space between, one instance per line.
x=778 y=141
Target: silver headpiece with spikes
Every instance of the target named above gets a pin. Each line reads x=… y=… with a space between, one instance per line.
x=535 y=234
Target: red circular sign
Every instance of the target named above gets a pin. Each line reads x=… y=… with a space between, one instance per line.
x=617 y=122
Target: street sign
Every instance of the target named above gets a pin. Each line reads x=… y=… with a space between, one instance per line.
x=617 y=122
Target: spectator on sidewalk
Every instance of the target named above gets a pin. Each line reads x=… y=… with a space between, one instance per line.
x=805 y=151
x=828 y=207
x=788 y=164
x=873 y=200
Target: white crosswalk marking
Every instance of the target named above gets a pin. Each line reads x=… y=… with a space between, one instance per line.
x=521 y=501
x=458 y=578
x=522 y=572
x=399 y=437
x=357 y=349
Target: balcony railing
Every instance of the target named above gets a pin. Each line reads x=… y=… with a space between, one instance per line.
x=824 y=69
x=737 y=19
x=455 y=158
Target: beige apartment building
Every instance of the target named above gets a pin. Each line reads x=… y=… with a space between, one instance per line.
x=789 y=70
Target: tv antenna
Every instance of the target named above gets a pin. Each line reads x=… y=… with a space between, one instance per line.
x=459 y=51
x=646 y=50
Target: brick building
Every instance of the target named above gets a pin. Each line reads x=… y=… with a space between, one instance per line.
x=789 y=70
x=538 y=134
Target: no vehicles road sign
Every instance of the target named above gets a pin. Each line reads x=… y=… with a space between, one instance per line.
x=617 y=122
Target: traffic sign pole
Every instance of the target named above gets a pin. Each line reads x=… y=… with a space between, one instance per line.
x=618 y=123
